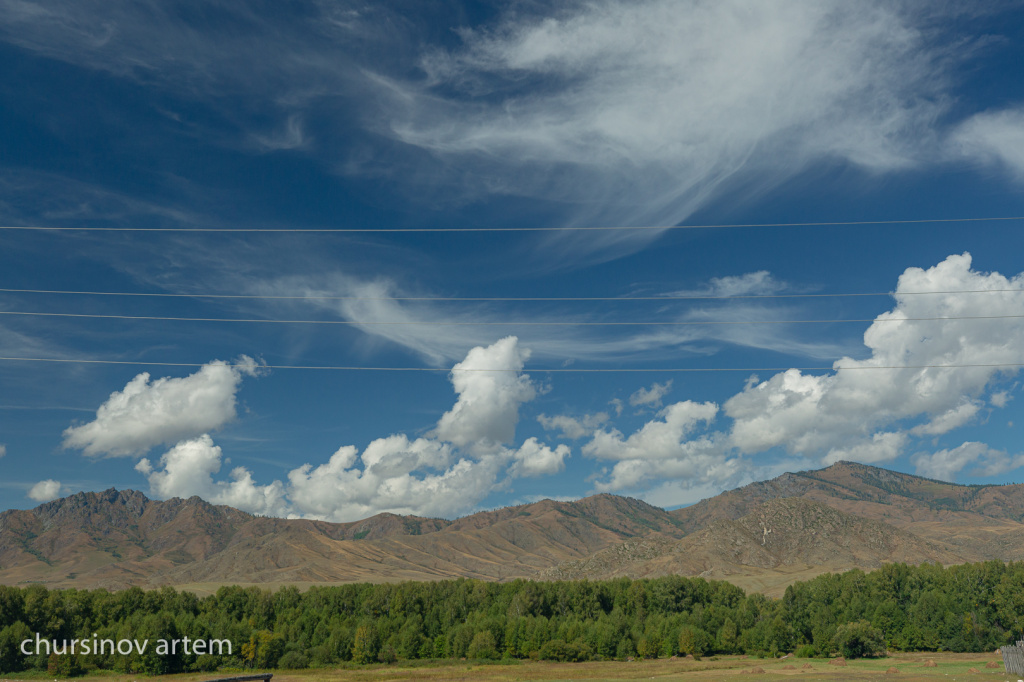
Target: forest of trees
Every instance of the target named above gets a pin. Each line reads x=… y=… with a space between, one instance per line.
x=971 y=607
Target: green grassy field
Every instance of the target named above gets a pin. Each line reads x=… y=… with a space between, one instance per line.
x=909 y=666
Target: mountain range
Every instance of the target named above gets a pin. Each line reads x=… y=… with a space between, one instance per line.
x=763 y=536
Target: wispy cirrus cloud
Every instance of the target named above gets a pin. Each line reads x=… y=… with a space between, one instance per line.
x=443 y=331
x=760 y=283
x=610 y=112
x=640 y=113
x=15 y=343
x=206 y=50
x=32 y=197
x=993 y=138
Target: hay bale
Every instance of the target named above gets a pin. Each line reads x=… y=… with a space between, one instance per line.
x=808 y=666
x=757 y=670
x=838 y=661
x=789 y=667
x=973 y=670
x=930 y=664
x=991 y=664
x=891 y=671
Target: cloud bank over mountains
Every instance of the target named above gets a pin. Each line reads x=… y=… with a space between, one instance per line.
x=581 y=114
x=925 y=376
x=923 y=366
x=469 y=454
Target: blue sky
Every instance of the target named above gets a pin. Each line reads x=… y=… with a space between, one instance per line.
x=239 y=134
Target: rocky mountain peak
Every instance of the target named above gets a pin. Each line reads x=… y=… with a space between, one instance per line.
x=130 y=503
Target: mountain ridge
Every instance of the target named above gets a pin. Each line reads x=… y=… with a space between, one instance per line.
x=779 y=536
x=116 y=539
x=120 y=538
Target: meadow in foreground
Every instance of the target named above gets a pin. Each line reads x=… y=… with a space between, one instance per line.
x=910 y=666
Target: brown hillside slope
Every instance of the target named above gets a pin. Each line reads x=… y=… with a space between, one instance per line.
x=515 y=542
x=778 y=539
x=846 y=515
x=979 y=522
x=117 y=539
x=873 y=491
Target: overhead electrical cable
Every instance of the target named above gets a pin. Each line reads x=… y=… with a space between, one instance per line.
x=512 y=299
x=489 y=323
x=543 y=228
x=561 y=370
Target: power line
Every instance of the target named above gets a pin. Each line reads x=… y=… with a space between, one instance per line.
x=564 y=370
x=525 y=323
x=488 y=323
x=549 y=228
x=471 y=299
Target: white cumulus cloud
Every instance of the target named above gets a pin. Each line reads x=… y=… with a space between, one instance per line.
x=163 y=411
x=662 y=449
x=533 y=458
x=946 y=464
x=447 y=472
x=817 y=414
x=928 y=373
x=573 y=428
x=1000 y=398
x=951 y=419
x=880 y=447
x=415 y=479
x=44 y=491
x=650 y=396
x=657 y=439
x=696 y=463
x=491 y=388
x=188 y=469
